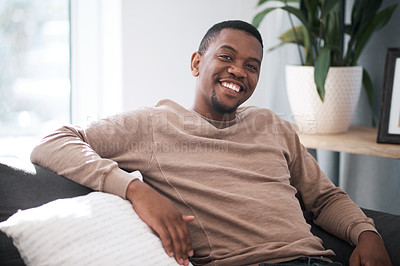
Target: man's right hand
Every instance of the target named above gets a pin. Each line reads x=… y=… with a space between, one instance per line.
x=160 y=214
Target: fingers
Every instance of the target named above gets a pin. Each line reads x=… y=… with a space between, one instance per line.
x=176 y=240
x=188 y=218
x=181 y=241
x=166 y=241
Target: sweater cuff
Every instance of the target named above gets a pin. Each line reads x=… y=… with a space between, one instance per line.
x=358 y=229
x=117 y=181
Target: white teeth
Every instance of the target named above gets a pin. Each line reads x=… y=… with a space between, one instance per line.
x=231 y=86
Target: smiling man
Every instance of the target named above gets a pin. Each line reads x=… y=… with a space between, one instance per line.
x=222 y=184
x=227 y=71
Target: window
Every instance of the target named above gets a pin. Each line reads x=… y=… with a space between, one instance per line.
x=34 y=72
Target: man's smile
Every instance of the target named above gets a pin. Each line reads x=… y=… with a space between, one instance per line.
x=231 y=86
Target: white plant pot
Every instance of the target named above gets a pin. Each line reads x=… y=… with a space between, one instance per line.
x=342 y=91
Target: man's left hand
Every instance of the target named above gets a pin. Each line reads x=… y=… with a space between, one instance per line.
x=370 y=251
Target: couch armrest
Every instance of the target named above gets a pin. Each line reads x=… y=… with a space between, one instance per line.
x=23 y=186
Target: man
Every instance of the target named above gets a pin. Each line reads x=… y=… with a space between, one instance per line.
x=223 y=184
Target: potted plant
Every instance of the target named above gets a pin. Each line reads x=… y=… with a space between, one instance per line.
x=324 y=55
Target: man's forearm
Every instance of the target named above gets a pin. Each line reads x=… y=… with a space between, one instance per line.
x=344 y=219
x=66 y=153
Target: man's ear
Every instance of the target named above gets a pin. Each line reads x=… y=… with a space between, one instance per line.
x=194 y=64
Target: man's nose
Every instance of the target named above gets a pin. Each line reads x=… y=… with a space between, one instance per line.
x=238 y=71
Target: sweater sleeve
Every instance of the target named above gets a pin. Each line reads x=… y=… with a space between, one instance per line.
x=95 y=157
x=327 y=205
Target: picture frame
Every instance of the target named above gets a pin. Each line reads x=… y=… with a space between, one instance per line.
x=389 y=110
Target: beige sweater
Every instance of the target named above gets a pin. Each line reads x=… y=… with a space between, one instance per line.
x=241 y=179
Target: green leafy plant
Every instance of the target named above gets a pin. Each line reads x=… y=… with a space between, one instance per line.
x=320 y=37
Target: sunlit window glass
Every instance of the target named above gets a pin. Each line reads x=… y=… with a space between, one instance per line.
x=34 y=72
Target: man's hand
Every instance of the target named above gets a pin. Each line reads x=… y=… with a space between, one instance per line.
x=370 y=251
x=161 y=215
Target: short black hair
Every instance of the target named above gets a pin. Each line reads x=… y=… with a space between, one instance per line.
x=214 y=31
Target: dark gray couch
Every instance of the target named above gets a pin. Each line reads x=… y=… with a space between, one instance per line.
x=23 y=186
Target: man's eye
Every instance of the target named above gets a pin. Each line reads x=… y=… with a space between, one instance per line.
x=227 y=57
x=252 y=67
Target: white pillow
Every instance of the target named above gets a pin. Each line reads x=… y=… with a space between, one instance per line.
x=96 y=229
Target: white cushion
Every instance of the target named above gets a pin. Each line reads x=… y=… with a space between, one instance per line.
x=96 y=229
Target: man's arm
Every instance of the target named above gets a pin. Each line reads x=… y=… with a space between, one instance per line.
x=93 y=158
x=332 y=209
x=68 y=152
x=344 y=219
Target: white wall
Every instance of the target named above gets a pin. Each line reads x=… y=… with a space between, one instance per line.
x=96 y=59
x=128 y=53
x=159 y=38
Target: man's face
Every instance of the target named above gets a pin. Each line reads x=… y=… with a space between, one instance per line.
x=227 y=73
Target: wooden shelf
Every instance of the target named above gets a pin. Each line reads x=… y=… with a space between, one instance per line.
x=358 y=140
